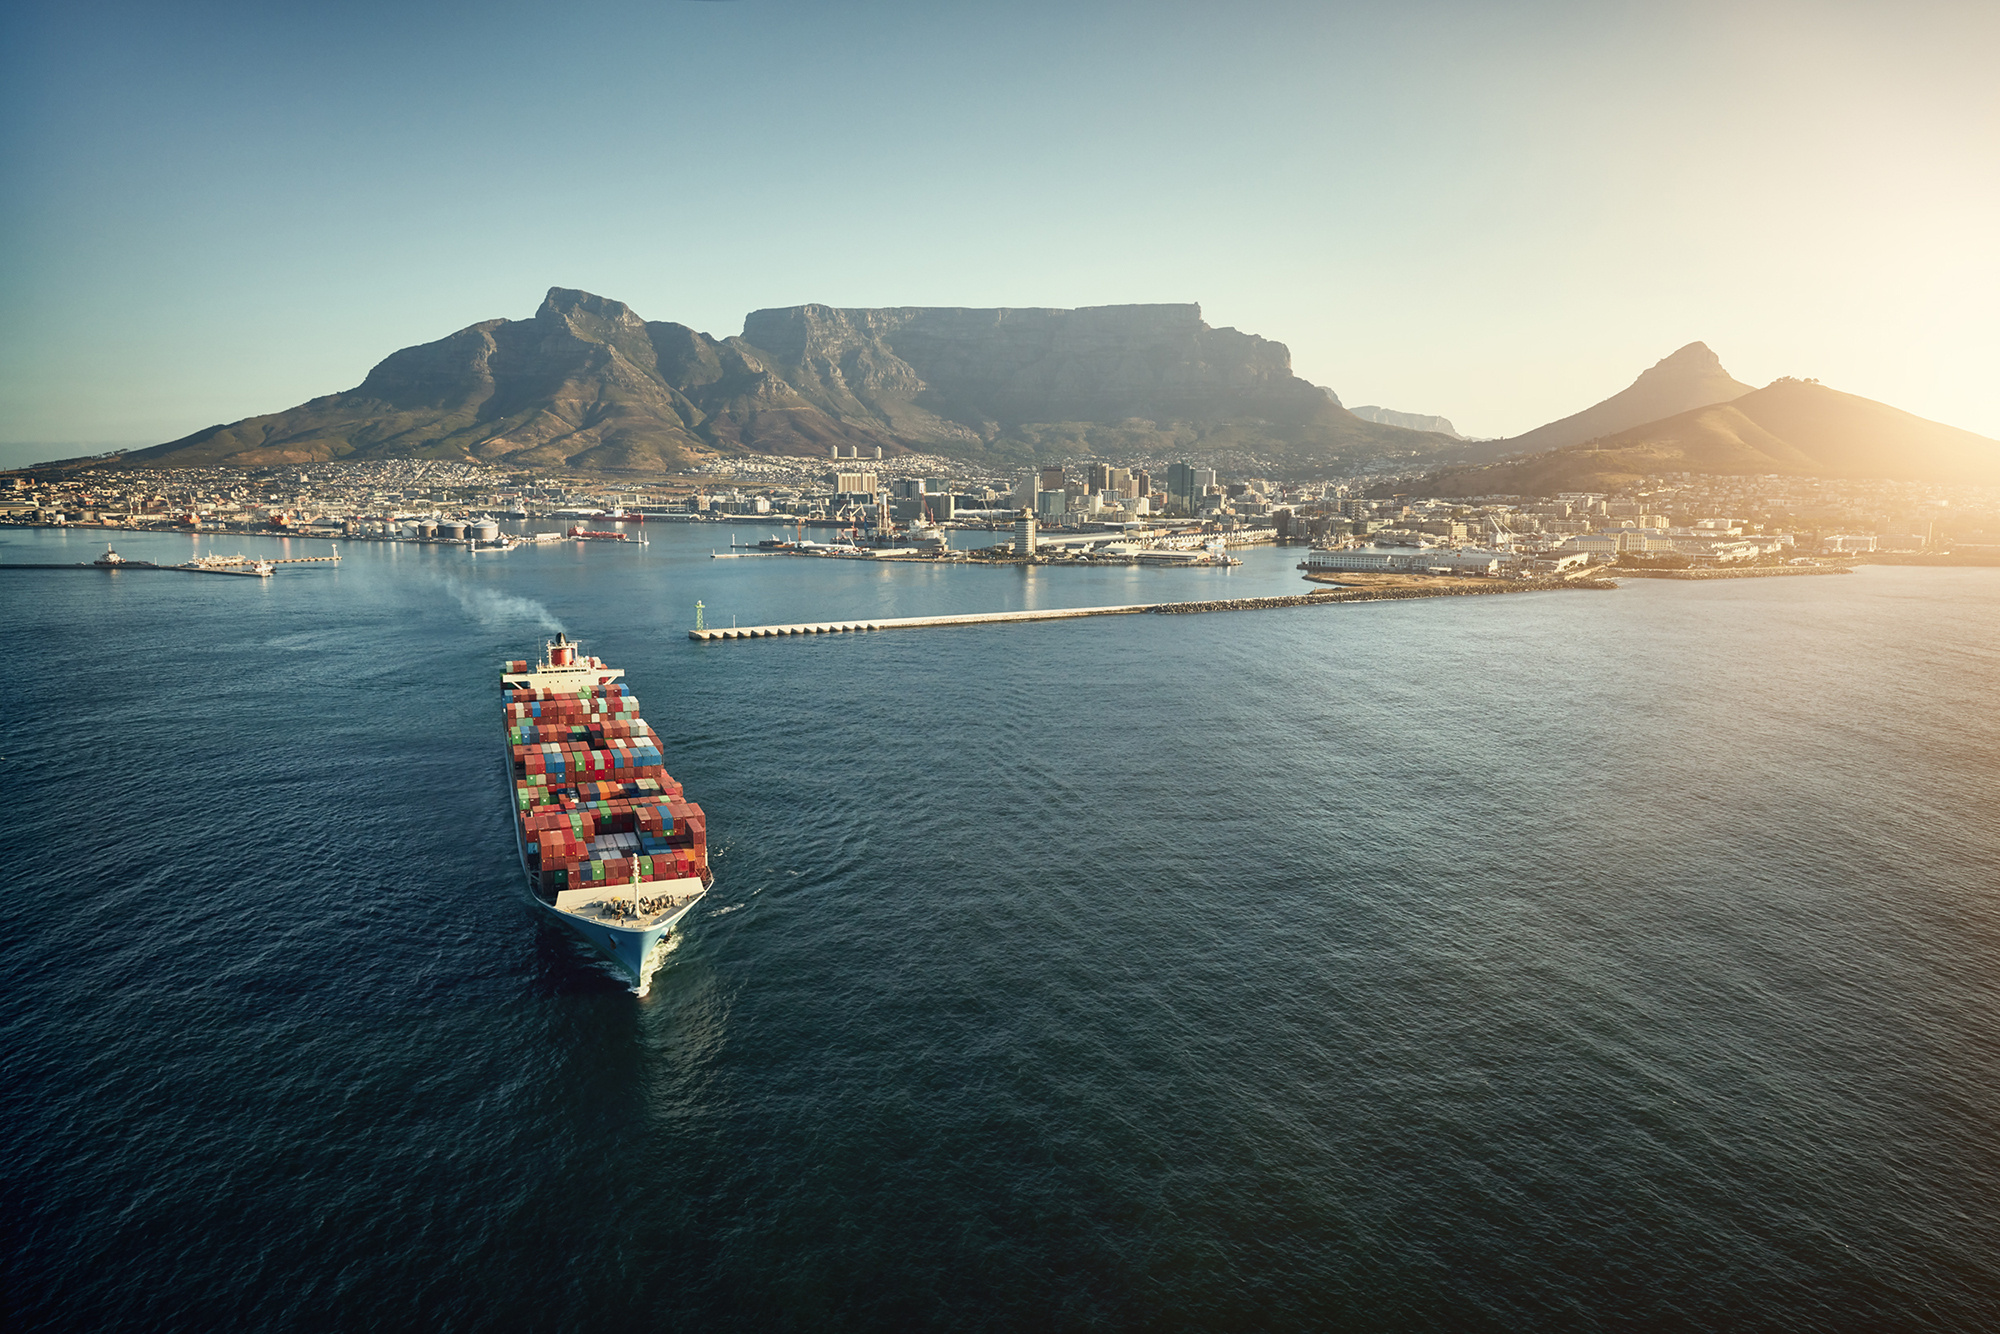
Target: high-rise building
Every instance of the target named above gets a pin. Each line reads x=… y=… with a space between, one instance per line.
x=1183 y=488
x=1052 y=479
x=1100 y=477
x=1118 y=481
x=855 y=484
x=1142 y=483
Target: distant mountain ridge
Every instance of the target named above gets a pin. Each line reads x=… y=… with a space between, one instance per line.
x=1414 y=421
x=587 y=384
x=1792 y=427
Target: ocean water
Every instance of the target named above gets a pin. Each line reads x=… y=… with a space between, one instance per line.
x=1574 y=961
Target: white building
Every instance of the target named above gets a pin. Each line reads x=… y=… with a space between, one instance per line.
x=1347 y=558
x=1024 y=533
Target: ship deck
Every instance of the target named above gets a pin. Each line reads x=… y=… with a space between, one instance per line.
x=612 y=904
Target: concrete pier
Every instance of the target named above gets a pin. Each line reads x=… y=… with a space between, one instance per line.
x=911 y=622
x=1336 y=596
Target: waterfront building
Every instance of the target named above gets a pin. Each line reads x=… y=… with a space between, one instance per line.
x=1024 y=533
x=1358 y=561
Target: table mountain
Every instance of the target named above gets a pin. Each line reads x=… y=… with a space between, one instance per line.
x=587 y=384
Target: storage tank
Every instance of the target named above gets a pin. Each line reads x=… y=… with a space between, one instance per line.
x=484 y=530
x=425 y=528
x=452 y=531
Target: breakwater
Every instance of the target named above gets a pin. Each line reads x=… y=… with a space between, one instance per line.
x=84 y=565
x=1752 y=572
x=1319 y=597
x=1401 y=592
x=907 y=622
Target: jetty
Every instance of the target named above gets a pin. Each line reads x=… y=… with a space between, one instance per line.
x=248 y=566
x=1398 y=591
x=909 y=622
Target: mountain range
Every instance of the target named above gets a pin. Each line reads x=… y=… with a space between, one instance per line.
x=587 y=384
x=1688 y=414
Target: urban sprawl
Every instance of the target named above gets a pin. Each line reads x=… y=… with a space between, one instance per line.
x=1079 y=511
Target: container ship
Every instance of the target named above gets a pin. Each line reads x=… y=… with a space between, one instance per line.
x=608 y=841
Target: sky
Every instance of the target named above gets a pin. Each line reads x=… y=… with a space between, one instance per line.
x=1496 y=212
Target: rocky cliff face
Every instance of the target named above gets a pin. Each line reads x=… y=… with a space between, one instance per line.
x=586 y=383
x=989 y=370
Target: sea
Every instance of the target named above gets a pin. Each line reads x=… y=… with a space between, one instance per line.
x=1621 y=960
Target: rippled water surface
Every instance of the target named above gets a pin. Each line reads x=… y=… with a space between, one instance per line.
x=1588 y=960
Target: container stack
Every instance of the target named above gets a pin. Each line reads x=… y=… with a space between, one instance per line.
x=597 y=808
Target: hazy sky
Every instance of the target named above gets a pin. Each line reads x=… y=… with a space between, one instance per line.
x=1498 y=212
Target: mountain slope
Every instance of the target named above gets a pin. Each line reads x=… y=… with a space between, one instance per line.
x=588 y=384
x=1794 y=427
x=585 y=384
x=1692 y=377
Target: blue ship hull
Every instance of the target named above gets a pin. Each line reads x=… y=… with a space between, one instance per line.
x=630 y=949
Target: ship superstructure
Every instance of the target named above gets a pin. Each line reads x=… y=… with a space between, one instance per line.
x=608 y=841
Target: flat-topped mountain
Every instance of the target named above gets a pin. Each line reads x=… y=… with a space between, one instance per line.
x=586 y=383
x=984 y=370
x=1795 y=427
